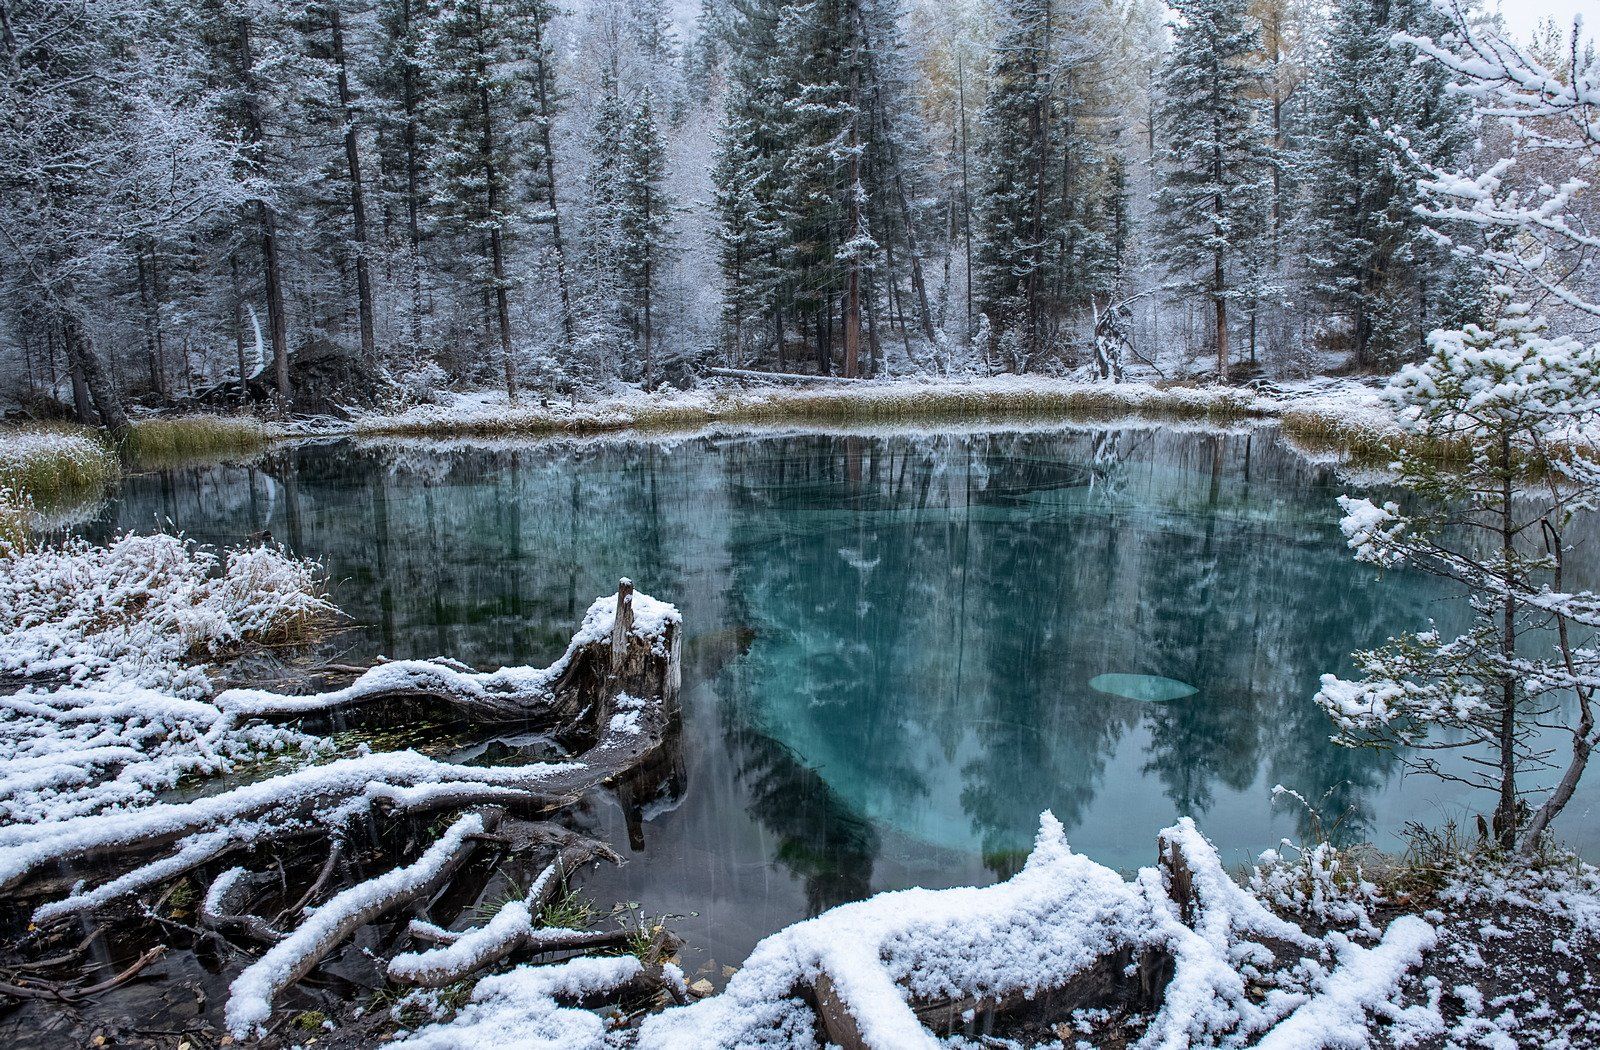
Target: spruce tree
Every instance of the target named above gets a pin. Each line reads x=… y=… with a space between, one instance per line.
x=749 y=234
x=1214 y=204
x=1047 y=221
x=489 y=118
x=643 y=213
x=1371 y=255
x=1013 y=261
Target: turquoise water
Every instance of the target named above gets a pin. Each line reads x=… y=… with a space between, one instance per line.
x=899 y=649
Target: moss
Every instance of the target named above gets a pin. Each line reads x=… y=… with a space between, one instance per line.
x=310 y=1020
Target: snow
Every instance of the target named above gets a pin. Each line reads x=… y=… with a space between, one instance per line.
x=1366 y=979
x=127 y=627
x=519 y=1008
x=1059 y=916
x=142 y=609
x=23 y=452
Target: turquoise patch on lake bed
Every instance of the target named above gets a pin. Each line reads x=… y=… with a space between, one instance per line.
x=1146 y=688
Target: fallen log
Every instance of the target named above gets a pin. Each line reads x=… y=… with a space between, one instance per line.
x=778 y=377
x=619 y=699
x=612 y=696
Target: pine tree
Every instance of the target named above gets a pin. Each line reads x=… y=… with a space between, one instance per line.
x=1371 y=254
x=489 y=115
x=643 y=213
x=1216 y=164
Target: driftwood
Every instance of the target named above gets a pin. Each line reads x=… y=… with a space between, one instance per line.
x=593 y=678
x=612 y=697
x=513 y=930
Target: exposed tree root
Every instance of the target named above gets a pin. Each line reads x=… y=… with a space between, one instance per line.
x=612 y=696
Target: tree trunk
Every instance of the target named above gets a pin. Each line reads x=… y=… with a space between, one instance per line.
x=152 y=327
x=491 y=178
x=547 y=111
x=1221 y=317
x=238 y=329
x=277 y=320
x=1505 y=816
x=358 y=209
x=408 y=100
x=851 y=316
x=966 y=197
x=86 y=364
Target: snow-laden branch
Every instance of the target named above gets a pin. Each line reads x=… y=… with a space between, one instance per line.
x=251 y=994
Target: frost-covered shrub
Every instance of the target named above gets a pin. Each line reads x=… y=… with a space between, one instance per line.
x=16 y=513
x=1318 y=882
x=142 y=609
x=44 y=462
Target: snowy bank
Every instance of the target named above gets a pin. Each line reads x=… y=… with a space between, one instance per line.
x=1204 y=960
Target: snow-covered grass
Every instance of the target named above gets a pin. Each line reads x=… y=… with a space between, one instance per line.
x=129 y=627
x=58 y=462
x=172 y=437
x=145 y=610
x=867 y=401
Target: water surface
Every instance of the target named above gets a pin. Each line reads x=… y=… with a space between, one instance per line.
x=892 y=641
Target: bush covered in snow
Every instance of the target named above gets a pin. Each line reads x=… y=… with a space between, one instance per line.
x=143 y=610
x=45 y=462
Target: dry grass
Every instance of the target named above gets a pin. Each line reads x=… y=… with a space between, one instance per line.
x=868 y=403
x=155 y=441
x=1364 y=442
x=16 y=520
x=54 y=464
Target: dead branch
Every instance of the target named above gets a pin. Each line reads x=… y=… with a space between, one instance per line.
x=336 y=921
x=221 y=909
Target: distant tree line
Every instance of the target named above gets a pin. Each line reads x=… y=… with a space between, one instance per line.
x=339 y=201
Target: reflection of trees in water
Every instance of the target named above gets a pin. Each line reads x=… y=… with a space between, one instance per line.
x=829 y=847
x=926 y=607
x=1044 y=736
x=1270 y=620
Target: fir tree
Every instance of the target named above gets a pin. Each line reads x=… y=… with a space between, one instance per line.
x=1371 y=254
x=1214 y=204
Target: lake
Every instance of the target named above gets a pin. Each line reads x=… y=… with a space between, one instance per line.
x=899 y=647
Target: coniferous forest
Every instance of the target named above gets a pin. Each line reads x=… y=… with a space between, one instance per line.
x=366 y=202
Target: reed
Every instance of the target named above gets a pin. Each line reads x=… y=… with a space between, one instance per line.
x=57 y=463
x=183 y=437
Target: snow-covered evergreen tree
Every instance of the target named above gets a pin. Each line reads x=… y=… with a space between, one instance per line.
x=642 y=214
x=1371 y=255
x=1511 y=401
x=1049 y=199
x=1213 y=206
x=489 y=117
